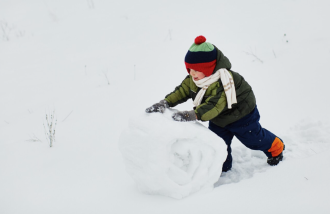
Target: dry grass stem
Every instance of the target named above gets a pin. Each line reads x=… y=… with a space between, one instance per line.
x=50 y=127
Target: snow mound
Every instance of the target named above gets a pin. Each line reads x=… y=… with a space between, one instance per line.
x=308 y=137
x=171 y=158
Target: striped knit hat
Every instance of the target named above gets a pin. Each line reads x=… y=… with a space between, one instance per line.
x=201 y=56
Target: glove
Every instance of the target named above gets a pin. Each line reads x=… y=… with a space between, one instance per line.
x=158 y=107
x=184 y=116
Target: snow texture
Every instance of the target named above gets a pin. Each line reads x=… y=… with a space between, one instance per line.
x=171 y=158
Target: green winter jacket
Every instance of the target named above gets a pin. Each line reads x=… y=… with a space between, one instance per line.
x=214 y=104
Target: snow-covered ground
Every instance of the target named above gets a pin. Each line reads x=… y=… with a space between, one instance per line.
x=98 y=63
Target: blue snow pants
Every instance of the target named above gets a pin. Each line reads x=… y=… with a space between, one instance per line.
x=247 y=130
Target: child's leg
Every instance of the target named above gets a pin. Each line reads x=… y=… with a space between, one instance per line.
x=227 y=136
x=249 y=131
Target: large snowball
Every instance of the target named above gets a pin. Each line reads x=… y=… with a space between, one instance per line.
x=171 y=158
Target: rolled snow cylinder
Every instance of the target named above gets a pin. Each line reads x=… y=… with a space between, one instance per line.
x=171 y=158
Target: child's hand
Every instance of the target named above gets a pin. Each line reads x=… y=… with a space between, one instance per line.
x=158 y=107
x=184 y=116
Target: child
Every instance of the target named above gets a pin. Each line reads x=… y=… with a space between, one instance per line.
x=223 y=98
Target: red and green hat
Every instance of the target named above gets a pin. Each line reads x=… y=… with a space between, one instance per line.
x=201 y=56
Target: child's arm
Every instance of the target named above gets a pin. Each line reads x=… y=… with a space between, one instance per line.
x=212 y=107
x=180 y=94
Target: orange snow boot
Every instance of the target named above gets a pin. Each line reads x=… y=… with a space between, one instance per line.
x=273 y=161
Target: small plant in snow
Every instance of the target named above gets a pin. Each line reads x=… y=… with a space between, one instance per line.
x=50 y=126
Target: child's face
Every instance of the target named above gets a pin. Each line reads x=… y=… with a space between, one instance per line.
x=197 y=75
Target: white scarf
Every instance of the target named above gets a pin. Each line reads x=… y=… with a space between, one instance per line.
x=227 y=82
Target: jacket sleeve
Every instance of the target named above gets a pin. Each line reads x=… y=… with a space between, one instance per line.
x=180 y=94
x=212 y=106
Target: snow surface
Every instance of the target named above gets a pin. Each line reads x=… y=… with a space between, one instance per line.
x=171 y=158
x=98 y=67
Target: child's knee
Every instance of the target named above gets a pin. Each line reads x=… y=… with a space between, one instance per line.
x=277 y=147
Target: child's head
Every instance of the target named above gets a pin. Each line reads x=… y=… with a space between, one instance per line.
x=201 y=57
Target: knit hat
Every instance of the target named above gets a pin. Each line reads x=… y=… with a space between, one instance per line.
x=201 y=56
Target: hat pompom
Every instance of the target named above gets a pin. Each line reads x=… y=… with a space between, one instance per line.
x=200 y=40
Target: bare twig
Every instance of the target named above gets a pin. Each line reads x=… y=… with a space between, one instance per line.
x=169 y=35
x=313 y=151
x=90 y=4
x=252 y=53
x=67 y=116
x=5 y=30
x=106 y=77
x=52 y=16
x=20 y=33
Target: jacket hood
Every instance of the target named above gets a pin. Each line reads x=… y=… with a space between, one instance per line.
x=222 y=61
